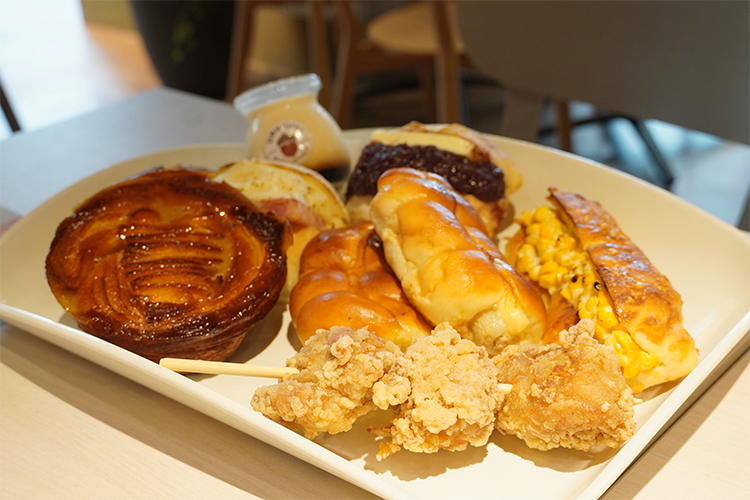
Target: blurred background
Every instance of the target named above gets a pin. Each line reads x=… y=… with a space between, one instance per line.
x=383 y=63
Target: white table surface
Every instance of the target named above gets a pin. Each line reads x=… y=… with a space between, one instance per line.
x=71 y=429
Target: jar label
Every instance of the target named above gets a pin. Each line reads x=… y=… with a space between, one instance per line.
x=288 y=140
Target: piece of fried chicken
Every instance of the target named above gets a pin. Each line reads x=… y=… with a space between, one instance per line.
x=334 y=386
x=446 y=395
x=572 y=395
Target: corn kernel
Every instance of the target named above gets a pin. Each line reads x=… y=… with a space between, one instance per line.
x=649 y=361
x=630 y=366
x=542 y=213
x=547 y=257
x=548 y=267
x=554 y=224
x=527 y=249
x=610 y=341
x=606 y=315
x=534 y=272
x=581 y=305
x=524 y=263
x=545 y=245
x=623 y=339
x=584 y=314
x=566 y=242
x=561 y=275
x=526 y=218
x=599 y=331
x=591 y=304
x=575 y=284
x=566 y=294
x=547 y=281
x=589 y=278
x=532 y=240
x=533 y=229
x=567 y=259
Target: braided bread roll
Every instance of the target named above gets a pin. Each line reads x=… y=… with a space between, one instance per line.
x=345 y=281
x=449 y=267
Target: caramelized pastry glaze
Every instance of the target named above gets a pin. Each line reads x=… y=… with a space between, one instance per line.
x=169 y=264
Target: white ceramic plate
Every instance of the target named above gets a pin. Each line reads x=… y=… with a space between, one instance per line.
x=707 y=261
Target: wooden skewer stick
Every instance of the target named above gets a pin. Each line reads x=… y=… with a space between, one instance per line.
x=224 y=368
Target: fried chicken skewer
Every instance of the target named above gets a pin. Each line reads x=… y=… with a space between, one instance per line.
x=447 y=393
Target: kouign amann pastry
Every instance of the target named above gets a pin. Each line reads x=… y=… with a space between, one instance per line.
x=169 y=264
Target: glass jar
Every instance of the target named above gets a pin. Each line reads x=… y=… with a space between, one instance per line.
x=287 y=123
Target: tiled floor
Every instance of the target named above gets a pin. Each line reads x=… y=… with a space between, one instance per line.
x=53 y=66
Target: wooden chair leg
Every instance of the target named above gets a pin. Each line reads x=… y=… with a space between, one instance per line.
x=342 y=92
x=241 y=32
x=446 y=66
x=320 y=61
x=343 y=96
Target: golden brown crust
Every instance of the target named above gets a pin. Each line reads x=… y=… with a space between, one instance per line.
x=446 y=395
x=169 y=264
x=334 y=386
x=449 y=267
x=645 y=301
x=345 y=281
x=569 y=394
x=561 y=316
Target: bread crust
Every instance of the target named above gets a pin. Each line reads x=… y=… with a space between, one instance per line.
x=345 y=281
x=645 y=301
x=449 y=268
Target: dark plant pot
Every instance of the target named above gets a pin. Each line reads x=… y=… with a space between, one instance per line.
x=188 y=42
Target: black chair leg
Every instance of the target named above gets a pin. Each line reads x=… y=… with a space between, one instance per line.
x=653 y=149
x=8 y=111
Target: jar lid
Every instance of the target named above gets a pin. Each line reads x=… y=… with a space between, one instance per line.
x=258 y=96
